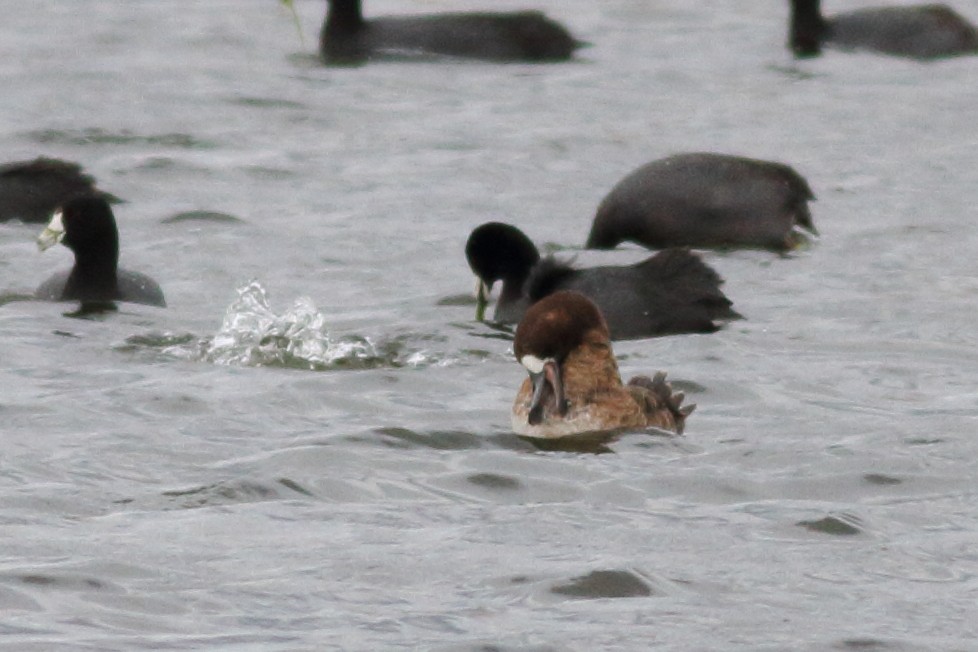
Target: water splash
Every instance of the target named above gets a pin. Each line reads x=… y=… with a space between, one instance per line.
x=254 y=335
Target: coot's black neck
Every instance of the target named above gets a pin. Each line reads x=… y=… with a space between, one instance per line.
x=512 y=290
x=808 y=28
x=344 y=15
x=94 y=275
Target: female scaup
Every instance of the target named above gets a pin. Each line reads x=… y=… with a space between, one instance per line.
x=574 y=386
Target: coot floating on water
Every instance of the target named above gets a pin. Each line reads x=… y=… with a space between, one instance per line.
x=31 y=190
x=673 y=291
x=347 y=37
x=918 y=31
x=87 y=227
x=705 y=200
x=574 y=386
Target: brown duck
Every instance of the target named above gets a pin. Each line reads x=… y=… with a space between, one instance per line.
x=574 y=385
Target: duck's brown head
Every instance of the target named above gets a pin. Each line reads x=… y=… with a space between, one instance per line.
x=550 y=330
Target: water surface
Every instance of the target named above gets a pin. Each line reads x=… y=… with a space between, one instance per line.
x=310 y=447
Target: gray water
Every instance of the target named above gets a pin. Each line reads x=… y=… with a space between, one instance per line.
x=309 y=449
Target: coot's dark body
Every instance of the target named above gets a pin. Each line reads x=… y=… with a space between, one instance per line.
x=705 y=200
x=672 y=292
x=929 y=31
x=347 y=37
x=30 y=191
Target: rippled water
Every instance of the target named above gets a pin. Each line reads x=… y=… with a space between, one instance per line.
x=309 y=448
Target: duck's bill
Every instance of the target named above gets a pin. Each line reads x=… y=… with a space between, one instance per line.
x=52 y=233
x=548 y=394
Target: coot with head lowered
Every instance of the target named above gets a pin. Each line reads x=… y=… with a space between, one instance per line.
x=672 y=292
x=706 y=200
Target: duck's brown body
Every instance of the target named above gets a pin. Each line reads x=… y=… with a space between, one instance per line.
x=575 y=386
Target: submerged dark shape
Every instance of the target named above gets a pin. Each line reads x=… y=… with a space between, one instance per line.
x=705 y=200
x=673 y=291
x=31 y=190
x=87 y=227
x=574 y=386
x=346 y=37
x=930 y=31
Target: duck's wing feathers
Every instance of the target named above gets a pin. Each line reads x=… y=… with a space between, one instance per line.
x=663 y=408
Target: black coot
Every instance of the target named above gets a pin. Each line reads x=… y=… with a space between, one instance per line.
x=87 y=227
x=346 y=37
x=673 y=291
x=705 y=200
x=918 y=31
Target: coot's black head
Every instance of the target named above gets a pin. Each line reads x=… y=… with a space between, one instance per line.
x=87 y=227
x=498 y=251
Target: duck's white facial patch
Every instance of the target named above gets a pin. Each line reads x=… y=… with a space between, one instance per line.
x=533 y=364
x=52 y=233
